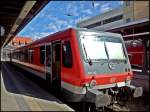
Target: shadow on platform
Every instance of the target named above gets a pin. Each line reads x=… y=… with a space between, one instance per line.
x=19 y=81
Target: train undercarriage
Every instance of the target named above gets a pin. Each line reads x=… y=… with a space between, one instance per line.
x=111 y=99
x=115 y=98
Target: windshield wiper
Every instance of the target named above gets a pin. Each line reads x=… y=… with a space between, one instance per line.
x=87 y=57
x=106 y=54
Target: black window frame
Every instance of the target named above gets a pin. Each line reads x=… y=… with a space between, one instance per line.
x=67 y=59
x=30 y=55
x=26 y=55
x=42 y=54
x=113 y=19
x=99 y=23
x=106 y=21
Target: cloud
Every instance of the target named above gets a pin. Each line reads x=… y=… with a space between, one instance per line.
x=72 y=10
x=34 y=35
x=96 y=4
x=120 y=2
x=38 y=35
x=57 y=24
x=106 y=7
x=54 y=17
x=82 y=18
x=51 y=26
x=88 y=11
x=43 y=34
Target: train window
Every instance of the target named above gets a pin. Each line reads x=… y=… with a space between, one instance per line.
x=66 y=55
x=89 y=43
x=23 y=53
x=30 y=55
x=21 y=56
x=13 y=55
x=42 y=54
x=26 y=55
x=48 y=55
x=18 y=55
x=115 y=45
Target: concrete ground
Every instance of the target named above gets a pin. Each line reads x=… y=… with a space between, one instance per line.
x=18 y=93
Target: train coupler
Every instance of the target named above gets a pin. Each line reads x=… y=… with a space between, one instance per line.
x=100 y=99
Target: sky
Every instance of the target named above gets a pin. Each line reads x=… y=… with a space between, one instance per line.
x=60 y=15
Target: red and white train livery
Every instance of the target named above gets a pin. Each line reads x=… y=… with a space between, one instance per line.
x=85 y=65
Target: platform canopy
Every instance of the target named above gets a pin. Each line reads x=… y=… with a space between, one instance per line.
x=133 y=30
x=15 y=15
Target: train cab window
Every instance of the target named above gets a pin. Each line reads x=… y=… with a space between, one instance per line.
x=67 y=55
x=42 y=54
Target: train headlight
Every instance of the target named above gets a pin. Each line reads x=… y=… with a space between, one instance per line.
x=86 y=85
x=93 y=83
x=112 y=80
x=128 y=80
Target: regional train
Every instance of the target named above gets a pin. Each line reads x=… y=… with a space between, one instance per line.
x=136 y=53
x=85 y=65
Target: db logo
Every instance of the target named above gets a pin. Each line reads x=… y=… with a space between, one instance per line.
x=112 y=65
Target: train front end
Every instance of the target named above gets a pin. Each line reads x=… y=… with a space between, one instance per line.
x=107 y=71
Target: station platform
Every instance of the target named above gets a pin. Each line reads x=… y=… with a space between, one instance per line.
x=18 y=93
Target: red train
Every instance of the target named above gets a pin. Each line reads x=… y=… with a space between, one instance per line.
x=136 y=54
x=86 y=65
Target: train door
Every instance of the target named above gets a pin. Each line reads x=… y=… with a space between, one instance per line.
x=48 y=65
x=56 y=65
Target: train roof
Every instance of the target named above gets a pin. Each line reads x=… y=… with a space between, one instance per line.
x=41 y=40
x=64 y=32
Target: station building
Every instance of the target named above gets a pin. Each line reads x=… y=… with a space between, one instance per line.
x=129 y=12
x=13 y=44
x=20 y=41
